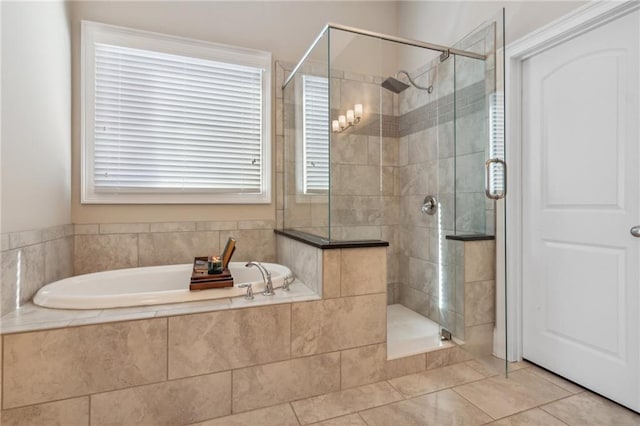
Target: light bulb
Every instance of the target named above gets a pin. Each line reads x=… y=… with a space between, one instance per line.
x=358 y=110
x=350 y=117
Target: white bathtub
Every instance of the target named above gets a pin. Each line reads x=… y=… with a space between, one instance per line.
x=154 y=285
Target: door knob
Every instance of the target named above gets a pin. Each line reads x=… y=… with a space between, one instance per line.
x=635 y=231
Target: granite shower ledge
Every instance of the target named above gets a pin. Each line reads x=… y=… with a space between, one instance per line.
x=471 y=237
x=326 y=244
x=31 y=317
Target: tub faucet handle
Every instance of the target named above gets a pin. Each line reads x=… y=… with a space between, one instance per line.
x=249 y=295
x=288 y=280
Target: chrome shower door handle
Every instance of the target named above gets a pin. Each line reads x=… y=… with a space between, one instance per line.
x=487 y=180
x=635 y=231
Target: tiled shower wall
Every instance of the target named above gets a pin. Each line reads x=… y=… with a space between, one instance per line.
x=443 y=140
x=381 y=172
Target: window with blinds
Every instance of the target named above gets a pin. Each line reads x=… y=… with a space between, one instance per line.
x=496 y=147
x=169 y=120
x=315 y=134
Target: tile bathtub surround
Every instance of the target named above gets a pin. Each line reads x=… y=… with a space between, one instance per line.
x=31 y=259
x=335 y=324
x=167 y=403
x=101 y=247
x=218 y=341
x=51 y=365
x=270 y=384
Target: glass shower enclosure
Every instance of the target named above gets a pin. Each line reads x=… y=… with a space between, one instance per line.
x=385 y=138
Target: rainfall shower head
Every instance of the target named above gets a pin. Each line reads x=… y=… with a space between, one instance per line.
x=397 y=86
x=394 y=85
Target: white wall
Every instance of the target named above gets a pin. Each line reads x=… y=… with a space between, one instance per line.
x=284 y=28
x=36 y=120
x=446 y=22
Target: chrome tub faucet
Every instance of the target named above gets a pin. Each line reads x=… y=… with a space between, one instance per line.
x=266 y=277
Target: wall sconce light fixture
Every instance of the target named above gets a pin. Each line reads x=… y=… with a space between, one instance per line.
x=352 y=118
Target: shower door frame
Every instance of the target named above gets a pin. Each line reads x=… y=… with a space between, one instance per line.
x=444 y=50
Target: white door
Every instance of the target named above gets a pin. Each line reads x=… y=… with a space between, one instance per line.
x=581 y=197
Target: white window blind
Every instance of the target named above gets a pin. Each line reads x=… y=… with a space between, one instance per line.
x=171 y=127
x=315 y=134
x=496 y=148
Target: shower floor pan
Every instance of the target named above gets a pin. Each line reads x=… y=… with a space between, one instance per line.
x=409 y=333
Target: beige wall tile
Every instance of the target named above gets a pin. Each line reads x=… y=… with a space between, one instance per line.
x=335 y=324
x=404 y=366
x=256 y=224
x=54 y=232
x=303 y=260
x=363 y=271
x=447 y=356
x=27 y=265
x=283 y=250
x=364 y=365
x=218 y=341
x=479 y=339
x=170 y=248
x=252 y=244
x=94 y=253
x=4 y=242
x=344 y=402
x=331 y=273
x=9 y=261
x=278 y=415
x=168 y=403
x=479 y=261
x=216 y=225
x=479 y=302
x=173 y=227
x=73 y=412
x=86 y=229
x=81 y=360
x=270 y=384
x=124 y=228
x=25 y=238
x=58 y=259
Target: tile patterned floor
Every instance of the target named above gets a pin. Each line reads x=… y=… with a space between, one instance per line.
x=470 y=393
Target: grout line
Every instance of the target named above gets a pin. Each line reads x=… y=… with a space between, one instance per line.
x=231 y=395
x=473 y=405
x=167 y=352
x=396 y=389
x=89 y=396
x=340 y=370
x=294 y=412
x=363 y=419
x=541 y=407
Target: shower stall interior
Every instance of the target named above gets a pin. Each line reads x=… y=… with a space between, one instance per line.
x=388 y=139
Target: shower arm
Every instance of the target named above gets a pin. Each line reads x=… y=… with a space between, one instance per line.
x=413 y=83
